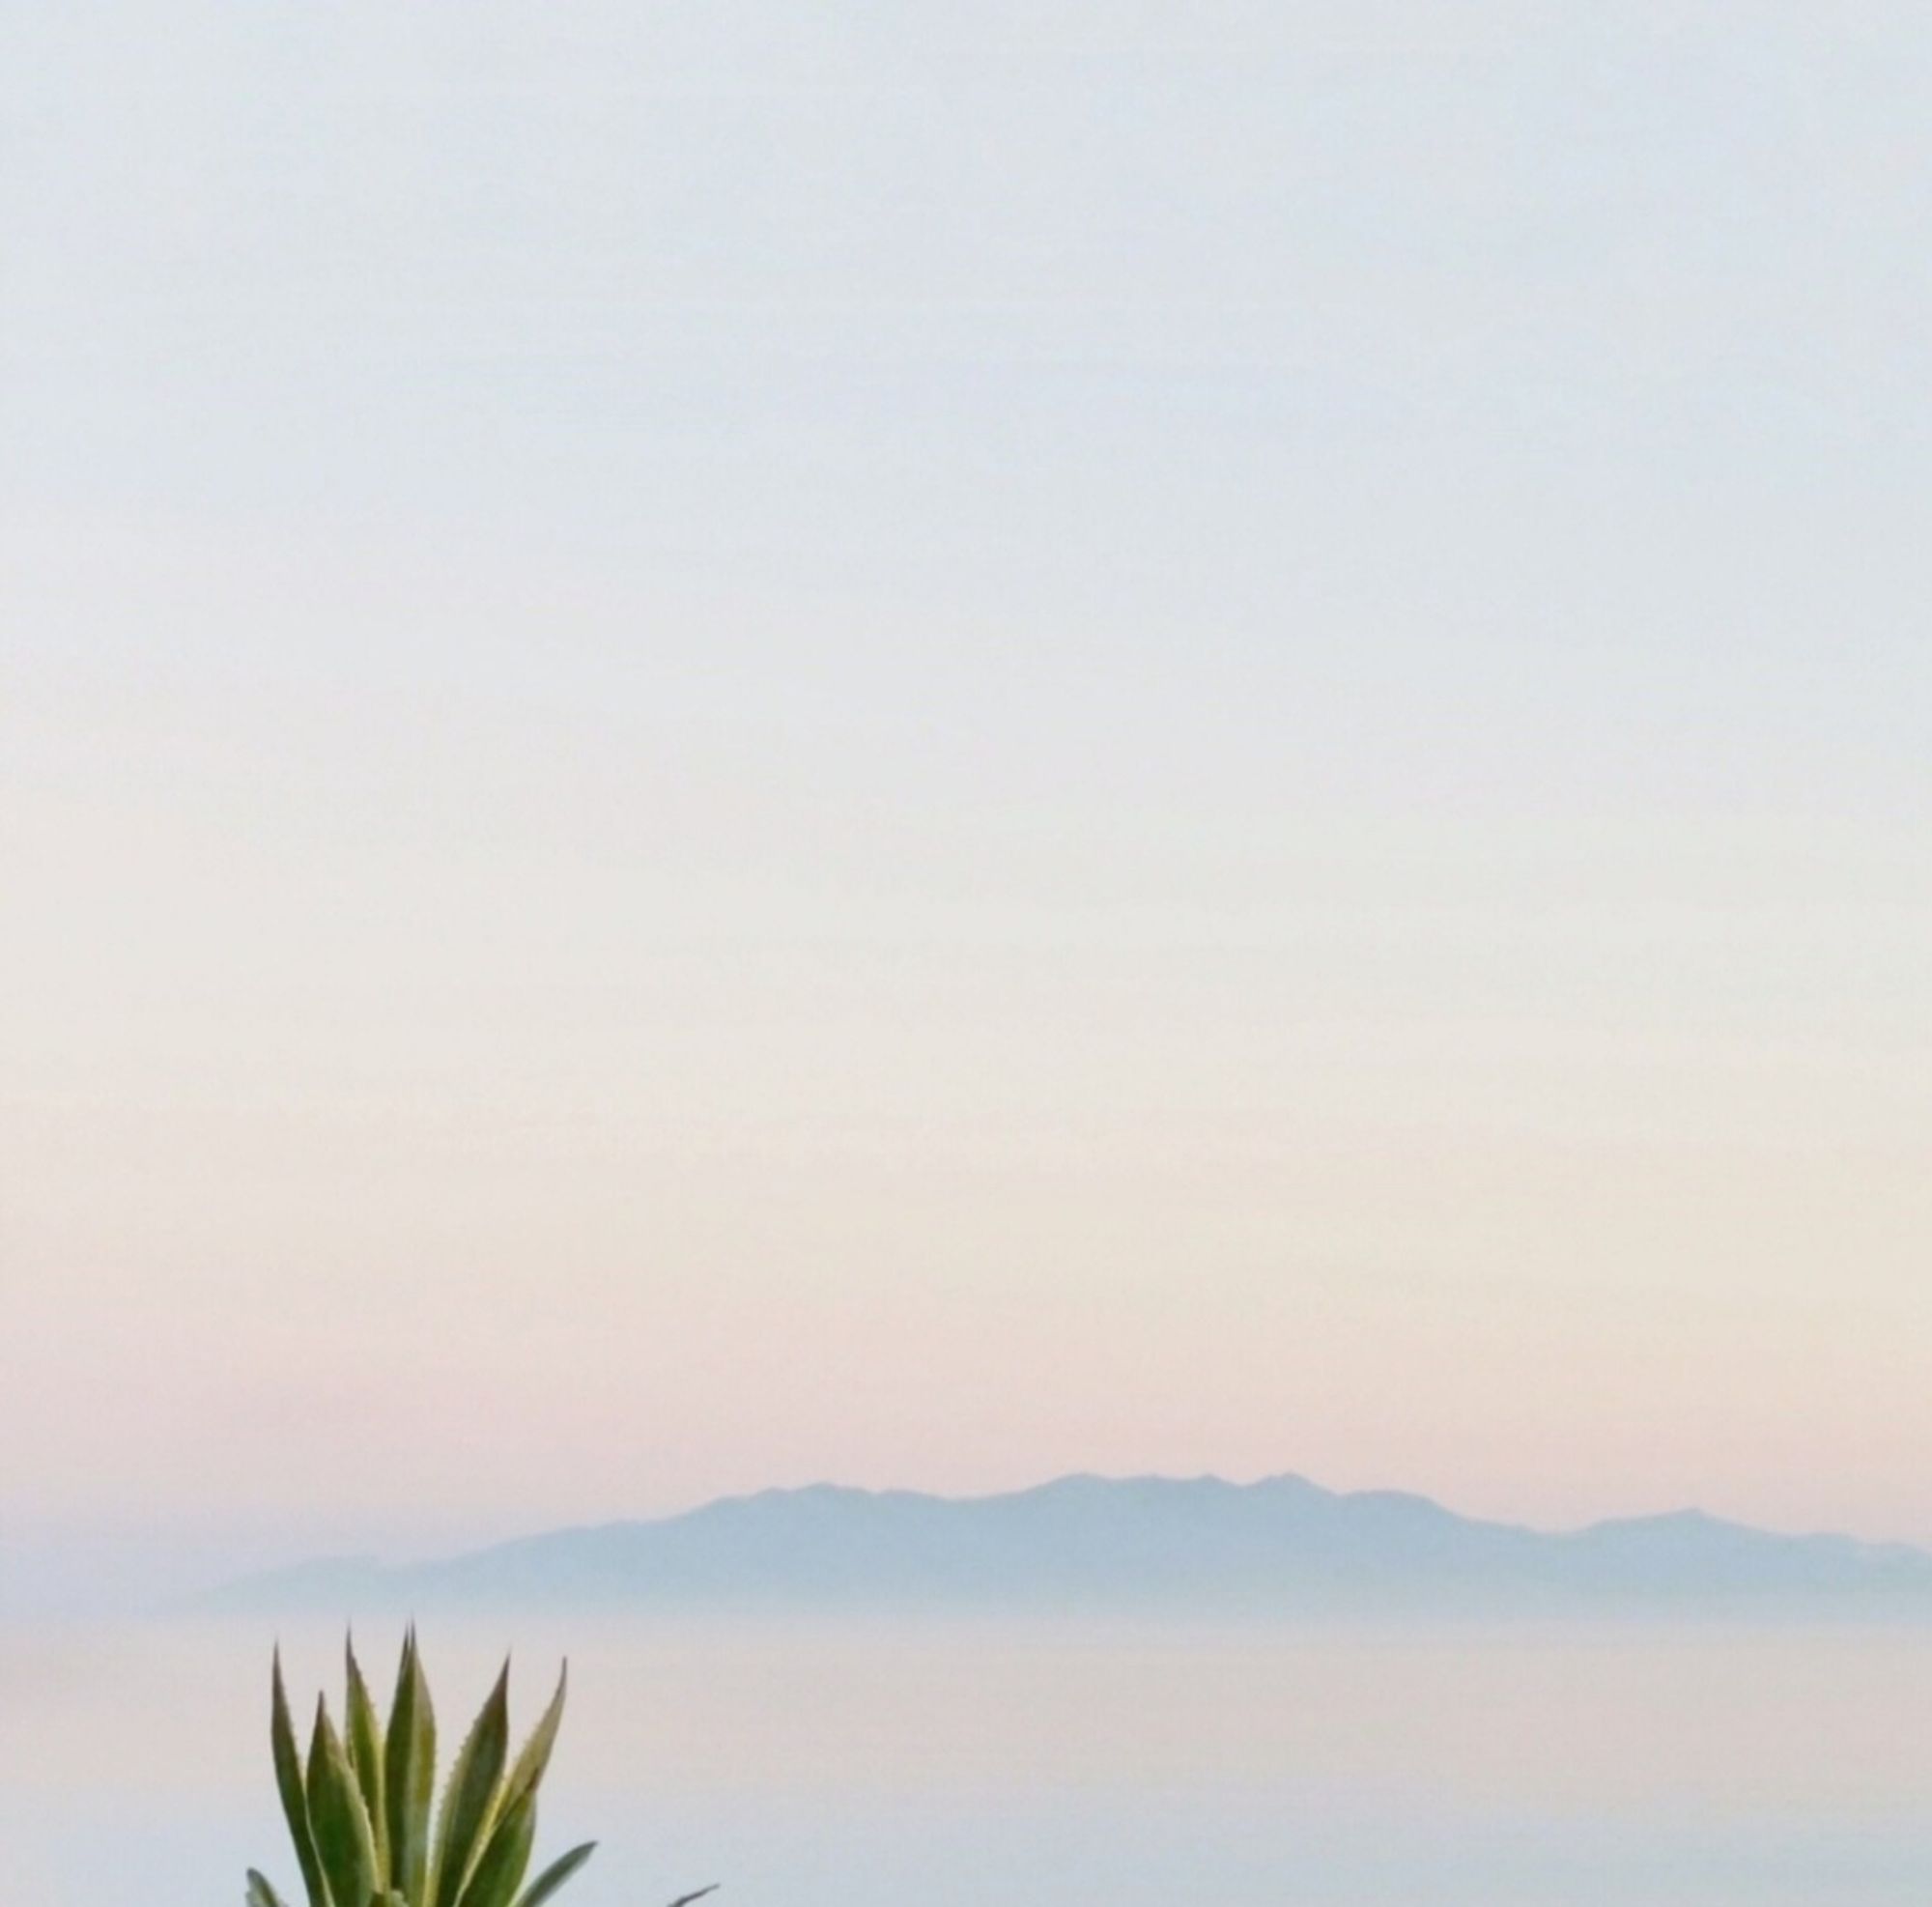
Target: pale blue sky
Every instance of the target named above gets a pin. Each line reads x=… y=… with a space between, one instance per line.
x=932 y=744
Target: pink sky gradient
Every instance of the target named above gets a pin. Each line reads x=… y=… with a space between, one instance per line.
x=734 y=757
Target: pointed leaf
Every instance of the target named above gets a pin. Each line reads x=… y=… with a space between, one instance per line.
x=506 y=1858
x=288 y=1783
x=685 y=1899
x=366 y=1758
x=408 y=1777
x=344 y=1842
x=527 y=1769
x=260 y=1893
x=555 y=1874
x=471 y=1794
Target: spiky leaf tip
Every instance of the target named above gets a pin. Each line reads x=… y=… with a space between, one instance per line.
x=290 y=1786
x=344 y=1842
x=408 y=1777
x=471 y=1795
x=364 y=1743
x=527 y=1771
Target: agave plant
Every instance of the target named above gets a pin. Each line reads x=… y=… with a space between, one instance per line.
x=359 y=1809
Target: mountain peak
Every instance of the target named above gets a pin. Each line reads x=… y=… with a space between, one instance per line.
x=1281 y=1547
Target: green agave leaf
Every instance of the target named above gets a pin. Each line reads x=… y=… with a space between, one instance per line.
x=471 y=1794
x=344 y=1842
x=408 y=1777
x=527 y=1771
x=260 y=1893
x=289 y=1784
x=555 y=1874
x=685 y=1899
x=503 y=1863
x=365 y=1758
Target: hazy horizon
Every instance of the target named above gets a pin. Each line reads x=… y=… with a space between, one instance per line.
x=111 y=1574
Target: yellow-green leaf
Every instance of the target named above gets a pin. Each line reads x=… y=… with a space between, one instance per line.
x=260 y=1893
x=471 y=1796
x=365 y=1758
x=288 y=1786
x=408 y=1777
x=527 y=1769
x=344 y=1843
x=504 y=1861
x=555 y=1874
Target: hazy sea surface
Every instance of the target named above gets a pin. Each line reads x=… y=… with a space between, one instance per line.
x=948 y=1766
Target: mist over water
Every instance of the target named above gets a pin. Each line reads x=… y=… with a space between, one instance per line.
x=956 y=1764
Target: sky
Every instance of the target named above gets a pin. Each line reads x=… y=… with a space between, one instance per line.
x=921 y=745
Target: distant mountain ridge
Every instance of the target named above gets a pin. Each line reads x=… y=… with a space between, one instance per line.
x=1137 y=1545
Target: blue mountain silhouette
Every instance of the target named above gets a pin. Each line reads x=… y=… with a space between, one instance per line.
x=1282 y=1546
